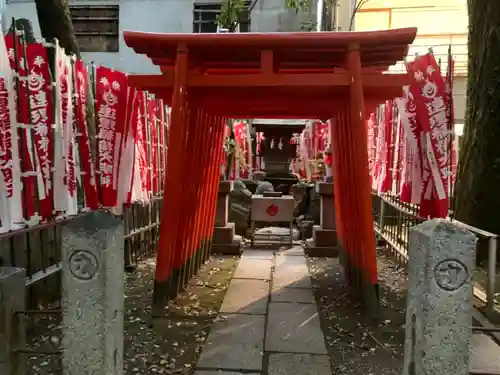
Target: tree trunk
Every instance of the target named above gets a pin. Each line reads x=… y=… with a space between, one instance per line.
x=55 y=22
x=478 y=180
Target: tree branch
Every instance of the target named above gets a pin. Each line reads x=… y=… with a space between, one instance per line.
x=355 y=11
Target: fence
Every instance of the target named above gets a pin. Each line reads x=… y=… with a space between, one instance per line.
x=393 y=220
x=38 y=249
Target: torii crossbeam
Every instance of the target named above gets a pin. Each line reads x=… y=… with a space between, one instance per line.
x=209 y=77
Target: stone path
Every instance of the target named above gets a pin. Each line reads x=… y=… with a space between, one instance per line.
x=271 y=323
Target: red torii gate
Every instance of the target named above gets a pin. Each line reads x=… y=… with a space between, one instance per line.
x=209 y=77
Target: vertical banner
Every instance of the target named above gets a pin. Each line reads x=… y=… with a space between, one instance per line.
x=10 y=170
x=87 y=167
x=111 y=105
x=451 y=150
x=152 y=128
x=371 y=129
x=29 y=173
x=161 y=110
x=69 y=197
x=428 y=90
x=141 y=158
x=41 y=116
x=380 y=167
x=128 y=152
x=411 y=185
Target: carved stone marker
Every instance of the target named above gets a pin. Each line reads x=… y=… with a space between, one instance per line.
x=439 y=302
x=93 y=295
x=12 y=327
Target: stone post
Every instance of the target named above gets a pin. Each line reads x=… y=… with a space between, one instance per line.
x=93 y=295
x=324 y=241
x=439 y=300
x=224 y=241
x=12 y=325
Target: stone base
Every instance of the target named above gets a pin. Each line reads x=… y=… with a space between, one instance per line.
x=224 y=234
x=228 y=248
x=313 y=250
x=324 y=237
x=362 y=290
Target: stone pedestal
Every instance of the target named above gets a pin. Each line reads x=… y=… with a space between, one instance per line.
x=224 y=240
x=324 y=241
x=439 y=300
x=12 y=325
x=93 y=295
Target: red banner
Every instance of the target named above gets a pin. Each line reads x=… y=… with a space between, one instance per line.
x=161 y=141
x=111 y=105
x=152 y=128
x=41 y=110
x=411 y=182
x=26 y=152
x=68 y=197
x=428 y=90
x=10 y=174
x=86 y=165
x=141 y=144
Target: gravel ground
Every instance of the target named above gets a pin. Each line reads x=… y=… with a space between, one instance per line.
x=356 y=344
x=170 y=345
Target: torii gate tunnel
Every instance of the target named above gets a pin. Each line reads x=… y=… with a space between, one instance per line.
x=207 y=78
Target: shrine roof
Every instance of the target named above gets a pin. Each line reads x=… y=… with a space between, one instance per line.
x=303 y=50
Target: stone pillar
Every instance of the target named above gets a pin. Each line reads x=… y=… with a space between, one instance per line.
x=439 y=300
x=12 y=325
x=93 y=295
x=324 y=241
x=224 y=241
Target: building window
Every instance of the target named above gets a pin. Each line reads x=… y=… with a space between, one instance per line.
x=205 y=18
x=96 y=27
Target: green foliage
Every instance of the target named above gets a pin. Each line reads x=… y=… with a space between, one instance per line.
x=298 y=5
x=230 y=14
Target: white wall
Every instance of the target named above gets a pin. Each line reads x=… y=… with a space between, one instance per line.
x=161 y=16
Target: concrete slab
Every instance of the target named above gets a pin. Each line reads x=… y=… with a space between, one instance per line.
x=291 y=272
x=292 y=263
x=294 y=328
x=258 y=254
x=293 y=295
x=253 y=269
x=299 y=364
x=246 y=297
x=235 y=343
x=484 y=355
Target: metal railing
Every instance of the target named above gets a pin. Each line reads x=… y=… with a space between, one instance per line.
x=392 y=222
x=142 y=228
x=38 y=249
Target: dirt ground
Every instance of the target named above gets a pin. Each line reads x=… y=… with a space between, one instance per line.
x=171 y=345
x=356 y=344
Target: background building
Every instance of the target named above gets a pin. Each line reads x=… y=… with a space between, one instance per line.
x=440 y=24
x=99 y=23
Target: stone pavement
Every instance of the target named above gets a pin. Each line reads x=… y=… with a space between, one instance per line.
x=271 y=324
